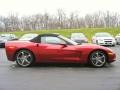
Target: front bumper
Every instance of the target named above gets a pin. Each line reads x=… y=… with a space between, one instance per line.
x=106 y=43
x=118 y=41
x=111 y=57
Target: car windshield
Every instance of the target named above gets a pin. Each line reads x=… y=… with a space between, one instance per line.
x=119 y=34
x=6 y=36
x=28 y=36
x=77 y=35
x=103 y=35
x=68 y=40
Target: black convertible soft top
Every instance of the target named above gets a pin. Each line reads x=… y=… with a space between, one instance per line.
x=49 y=35
x=37 y=39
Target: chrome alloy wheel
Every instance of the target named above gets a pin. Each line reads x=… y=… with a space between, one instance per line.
x=98 y=59
x=24 y=58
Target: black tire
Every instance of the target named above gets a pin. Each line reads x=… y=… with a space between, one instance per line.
x=113 y=45
x=24 y=58
x=97 y=42
x=97 y=59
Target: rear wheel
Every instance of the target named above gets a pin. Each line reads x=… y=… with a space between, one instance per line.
x=98 y=59
x=24 y=58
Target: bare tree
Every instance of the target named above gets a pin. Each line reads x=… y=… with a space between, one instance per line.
x=60 y=21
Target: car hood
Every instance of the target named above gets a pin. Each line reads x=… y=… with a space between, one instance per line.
x=117 y=36
x=105 y=38
x=77 y=38
x=90 y=47
x=2 y=40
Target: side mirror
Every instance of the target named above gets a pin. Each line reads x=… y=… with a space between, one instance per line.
x=14 y=39
x=79 y=43
x=63 y=45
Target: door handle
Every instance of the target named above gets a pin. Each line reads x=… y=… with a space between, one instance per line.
x=37 y=45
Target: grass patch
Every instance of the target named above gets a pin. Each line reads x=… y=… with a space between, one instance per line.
x=89 y=32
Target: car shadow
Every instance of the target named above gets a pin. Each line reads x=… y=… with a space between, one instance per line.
x=60 y=65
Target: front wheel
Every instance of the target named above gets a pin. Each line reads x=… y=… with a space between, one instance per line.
x=97 y=42
x=24 y=58
x=98 y=59
x=113 y=45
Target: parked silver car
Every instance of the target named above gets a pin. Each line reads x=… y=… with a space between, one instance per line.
x=117 y=38
x=103 y=38
x=28 y=36
x=79 y=38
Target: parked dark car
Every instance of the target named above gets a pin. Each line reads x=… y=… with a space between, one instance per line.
x=79 y=38
x=6 y=37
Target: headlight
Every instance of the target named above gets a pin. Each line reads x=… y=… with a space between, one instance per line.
x=114 y=40
x=100 y=39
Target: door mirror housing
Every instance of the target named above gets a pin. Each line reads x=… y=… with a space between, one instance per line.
x=64 y=45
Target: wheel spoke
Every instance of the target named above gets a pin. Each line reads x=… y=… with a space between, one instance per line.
x=22 y=53
x=97 y=54
x=27 y=61
x=102 y=57
x=20 y=59
x=94 y=58
x=96 y=62
x=27 y=56
x=22 y=62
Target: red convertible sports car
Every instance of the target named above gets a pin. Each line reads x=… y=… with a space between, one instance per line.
x=47 y=48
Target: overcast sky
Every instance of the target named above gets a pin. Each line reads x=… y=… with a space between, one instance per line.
x=28 y=7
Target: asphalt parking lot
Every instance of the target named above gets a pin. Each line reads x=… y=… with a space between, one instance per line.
x=59 y=77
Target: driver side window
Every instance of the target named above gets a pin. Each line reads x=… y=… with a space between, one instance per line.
x=52 y=40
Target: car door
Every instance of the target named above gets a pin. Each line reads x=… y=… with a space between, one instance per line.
x=53 y=49
x=49 y=49
x=69 y=54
